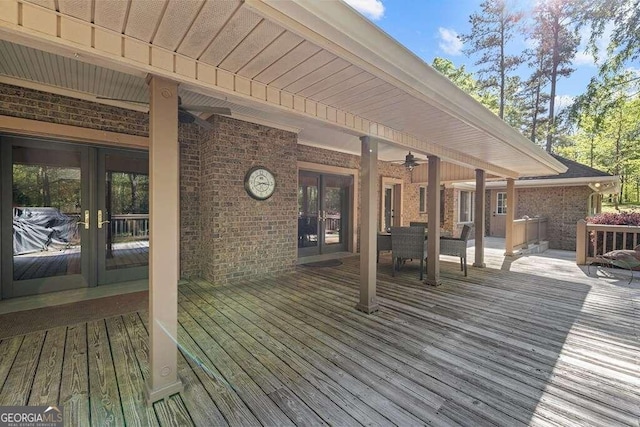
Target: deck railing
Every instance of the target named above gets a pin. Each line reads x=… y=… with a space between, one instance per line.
x=529 y=230
x=130 y=226
x=597 y=239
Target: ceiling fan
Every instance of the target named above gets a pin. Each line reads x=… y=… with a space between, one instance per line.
x=185 y=114
x=410 y=161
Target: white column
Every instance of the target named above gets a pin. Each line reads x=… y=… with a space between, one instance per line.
x=433 y=210
x=479 y=217
x=368 y=225
x=164 y=249
x=511 y=212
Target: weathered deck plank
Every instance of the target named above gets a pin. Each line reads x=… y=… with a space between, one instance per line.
x=106 y=408
x=74 y=387
x=520 y=347
x=45 y=389
x=17 y=387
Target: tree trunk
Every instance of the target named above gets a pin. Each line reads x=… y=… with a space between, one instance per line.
x=554 y=78
x=502 y=73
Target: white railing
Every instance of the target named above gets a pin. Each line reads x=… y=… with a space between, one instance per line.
x=597 y=239
x=529 y=230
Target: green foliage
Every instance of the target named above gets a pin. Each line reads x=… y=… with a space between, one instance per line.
x=467 y=82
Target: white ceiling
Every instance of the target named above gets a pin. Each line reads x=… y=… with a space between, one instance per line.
x=228 y=34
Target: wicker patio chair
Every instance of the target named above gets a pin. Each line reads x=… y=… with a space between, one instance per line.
x=418 y=224
x=407 y=243
x=457 y=247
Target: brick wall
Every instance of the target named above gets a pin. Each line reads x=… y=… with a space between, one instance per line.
x=563 y=206
x=241 y=236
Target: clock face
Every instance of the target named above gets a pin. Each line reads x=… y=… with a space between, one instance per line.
x=260 y=183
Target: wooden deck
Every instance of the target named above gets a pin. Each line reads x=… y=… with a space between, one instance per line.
x=539 y=344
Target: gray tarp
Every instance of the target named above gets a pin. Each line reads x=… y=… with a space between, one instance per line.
x=41 y=229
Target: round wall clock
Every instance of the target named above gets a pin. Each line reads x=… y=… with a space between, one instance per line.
x=260 y=183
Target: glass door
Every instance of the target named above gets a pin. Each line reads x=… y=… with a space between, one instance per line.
x=323 y=213
x=71 y=216
x=122 y=216
x=46 y=217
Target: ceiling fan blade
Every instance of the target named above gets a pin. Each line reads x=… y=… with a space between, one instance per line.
x=186 y=117
x=123 y=100
x=207 y=109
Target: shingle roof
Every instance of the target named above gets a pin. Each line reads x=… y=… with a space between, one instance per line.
x=574 y=170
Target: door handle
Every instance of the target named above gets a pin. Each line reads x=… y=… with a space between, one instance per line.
x=86 y=220
x=100 y=221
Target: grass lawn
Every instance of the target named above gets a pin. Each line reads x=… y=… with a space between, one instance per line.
x=610 y=207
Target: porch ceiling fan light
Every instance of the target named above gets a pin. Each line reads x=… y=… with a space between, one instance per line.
x=410 y=162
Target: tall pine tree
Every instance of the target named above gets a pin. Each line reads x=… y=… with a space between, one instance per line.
x=491 y=30
x=556 y=35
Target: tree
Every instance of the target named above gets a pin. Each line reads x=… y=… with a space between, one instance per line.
x=534 y=97
x=491 y=30
x=556 y=35
x=607 y=118
x=465 y=81
x=624 y=44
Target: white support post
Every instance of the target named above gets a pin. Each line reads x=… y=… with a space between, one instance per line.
x=368 y=225
x=510 y=216
x=433 y=210
x=479 y=217
x=164 y=243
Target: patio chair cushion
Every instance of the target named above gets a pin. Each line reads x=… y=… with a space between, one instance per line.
x=626 y=258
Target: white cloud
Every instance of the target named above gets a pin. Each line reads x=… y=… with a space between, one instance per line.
x=562 y=102
x=449 y=41
x=372 y=9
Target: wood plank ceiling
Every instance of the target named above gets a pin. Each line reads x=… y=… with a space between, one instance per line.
x=228 y=35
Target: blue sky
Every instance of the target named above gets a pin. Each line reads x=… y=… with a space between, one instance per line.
x=429 y=29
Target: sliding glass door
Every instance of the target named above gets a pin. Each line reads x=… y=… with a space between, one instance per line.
x=323 y=213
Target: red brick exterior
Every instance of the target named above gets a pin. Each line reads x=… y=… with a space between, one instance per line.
x=563 y=206
x=241 y=236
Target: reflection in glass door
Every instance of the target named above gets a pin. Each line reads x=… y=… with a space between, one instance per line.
x=123 y=216
x=323 y=213
x=45 y=217
x=71 y=216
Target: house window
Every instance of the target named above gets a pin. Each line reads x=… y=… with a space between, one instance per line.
x=501 y=204
x=423 y=200
x=466 y=206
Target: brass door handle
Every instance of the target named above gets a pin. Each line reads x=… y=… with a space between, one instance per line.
x=86 y=220
x=100 y=221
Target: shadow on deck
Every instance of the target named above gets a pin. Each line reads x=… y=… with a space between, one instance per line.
x=540 y=344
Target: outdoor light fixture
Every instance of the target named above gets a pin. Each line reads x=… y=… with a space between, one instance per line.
x=410 y=162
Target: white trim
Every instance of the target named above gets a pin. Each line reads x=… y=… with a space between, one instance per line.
x=263 y=122
x=314 y=144
x=612 y=181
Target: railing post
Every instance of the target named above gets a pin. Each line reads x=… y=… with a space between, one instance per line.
x=537 y=217
x=581 y=242
x=526 y=232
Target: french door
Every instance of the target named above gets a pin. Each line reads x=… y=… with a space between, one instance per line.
x=323 y=213
x=71 y=216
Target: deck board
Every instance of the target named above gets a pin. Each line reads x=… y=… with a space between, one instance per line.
x=534 y=341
